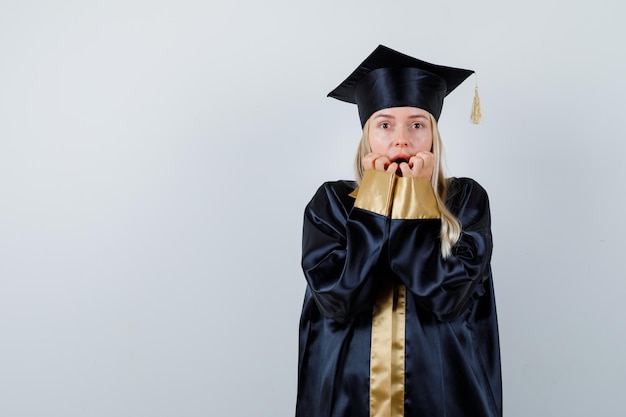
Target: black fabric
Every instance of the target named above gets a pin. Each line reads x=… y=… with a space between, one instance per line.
x=399 y=87
x=388 y=78
x=452 y=362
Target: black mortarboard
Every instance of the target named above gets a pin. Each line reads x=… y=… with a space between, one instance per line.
x=388 y=78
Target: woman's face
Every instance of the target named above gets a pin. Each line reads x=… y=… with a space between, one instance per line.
x=400 y=132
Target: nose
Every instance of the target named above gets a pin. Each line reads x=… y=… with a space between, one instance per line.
x=401 y=138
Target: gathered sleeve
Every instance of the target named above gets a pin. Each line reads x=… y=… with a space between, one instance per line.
x=444 y=287
x=343 y=239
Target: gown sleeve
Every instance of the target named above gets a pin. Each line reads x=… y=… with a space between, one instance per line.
x=444 y=287
x=342 y=244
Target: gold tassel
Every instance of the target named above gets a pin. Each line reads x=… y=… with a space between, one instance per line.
x=477 y=115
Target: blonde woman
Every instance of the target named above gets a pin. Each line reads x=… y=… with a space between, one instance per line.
x=399 y=314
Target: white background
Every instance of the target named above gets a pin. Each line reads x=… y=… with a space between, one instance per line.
x=156 y=157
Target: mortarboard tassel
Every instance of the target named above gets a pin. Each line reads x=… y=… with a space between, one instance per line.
x=477 y=115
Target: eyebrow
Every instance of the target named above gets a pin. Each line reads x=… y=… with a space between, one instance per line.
x=419 y=116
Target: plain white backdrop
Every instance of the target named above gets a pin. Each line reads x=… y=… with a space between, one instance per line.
x=156 y=157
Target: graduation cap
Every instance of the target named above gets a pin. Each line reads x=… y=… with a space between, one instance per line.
x=388 y=78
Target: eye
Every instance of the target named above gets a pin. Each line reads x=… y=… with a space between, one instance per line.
x=417 y=125
x=385 y=125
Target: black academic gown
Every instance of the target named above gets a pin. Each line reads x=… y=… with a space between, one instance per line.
x=450 y=356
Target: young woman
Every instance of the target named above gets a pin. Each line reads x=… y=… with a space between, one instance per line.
x=399 y=315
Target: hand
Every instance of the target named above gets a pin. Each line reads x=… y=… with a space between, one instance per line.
x=420 y=165
x=379 y=163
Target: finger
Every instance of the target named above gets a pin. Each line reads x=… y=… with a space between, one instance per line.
x=381 y=163
x=427 y=157
x=368 y=160
x=416 y=162
x=405 y=169
x=429 y=162
x=423 y=164
x=393 y=167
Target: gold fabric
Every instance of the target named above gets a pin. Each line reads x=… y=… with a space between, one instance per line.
x=376 y=191
x=476 y=116
x=387 y=353
x=380 y=355
x=414 y=198
x=401 y=198
x=397 y=353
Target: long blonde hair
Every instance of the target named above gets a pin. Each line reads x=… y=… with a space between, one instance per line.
x=450 y=227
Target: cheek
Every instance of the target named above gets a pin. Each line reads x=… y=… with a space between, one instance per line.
x=425 y=143
x=377 y=145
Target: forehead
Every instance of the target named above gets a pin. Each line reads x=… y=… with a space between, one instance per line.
x=402 y=112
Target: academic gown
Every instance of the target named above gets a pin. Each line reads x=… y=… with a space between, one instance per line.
x=389 y=328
